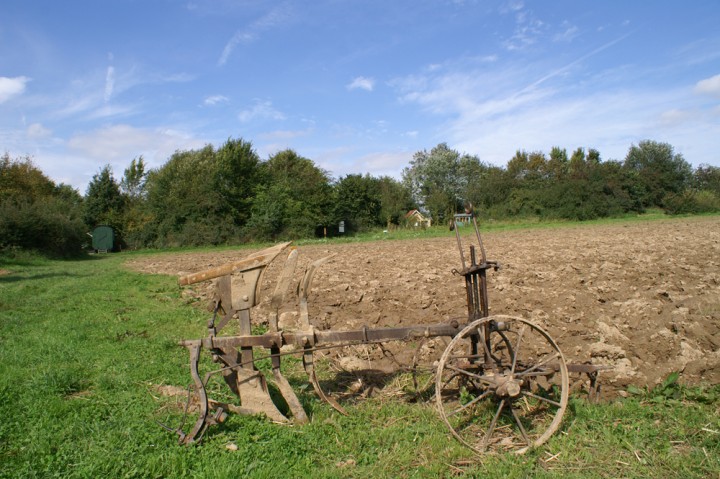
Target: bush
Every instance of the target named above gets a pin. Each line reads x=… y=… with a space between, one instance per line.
x=49 y=225
x=691 y=202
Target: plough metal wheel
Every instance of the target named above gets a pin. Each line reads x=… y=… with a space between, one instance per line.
x=513 y=401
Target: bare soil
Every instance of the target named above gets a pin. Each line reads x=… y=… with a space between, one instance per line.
x=642 y=297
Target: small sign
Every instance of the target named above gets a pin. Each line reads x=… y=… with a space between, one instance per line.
x=341 y=227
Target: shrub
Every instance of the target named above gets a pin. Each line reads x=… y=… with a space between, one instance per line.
x=691 y=202
x=49 y=225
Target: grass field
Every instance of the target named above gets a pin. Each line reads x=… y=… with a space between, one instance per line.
x=86 y=345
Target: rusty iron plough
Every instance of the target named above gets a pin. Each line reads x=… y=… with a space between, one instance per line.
x=501 y=384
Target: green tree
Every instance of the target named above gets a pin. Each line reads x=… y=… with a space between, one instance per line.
x=134 y=177
x=295 y=188
x=358 y=201
x=491 y=192
x=395 y=200
x=268 y=213
x=435 y=181
x=656 y=171
x=184 y=205
x=235 y=177
x=135 y=218
x=20 y=178
x=518 y=165
x=558 y=164
x=35 y=214
x=104 y=203
x=707 y=178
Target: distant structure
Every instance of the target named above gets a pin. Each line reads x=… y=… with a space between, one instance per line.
x=103 y=239
x=415 y=219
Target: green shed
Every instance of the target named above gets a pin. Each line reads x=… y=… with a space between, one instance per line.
x=103 y=239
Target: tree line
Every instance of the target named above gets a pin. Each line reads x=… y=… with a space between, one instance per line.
x=229 y=195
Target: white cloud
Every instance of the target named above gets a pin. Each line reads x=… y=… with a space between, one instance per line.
x=262 y=111
x=362 y=83
x=215 y=99
x=674 y=117
x=37 y=131
x=111 y=111
x=382 y=163
x=11 y=87
x=277 y=16
x=570 y=32
x=284 y=134
x=709 y=86
x=109 y=83
x=528 y=29
x=237 y=38
x=492 y=113
x=512 y=6
x=121 y=143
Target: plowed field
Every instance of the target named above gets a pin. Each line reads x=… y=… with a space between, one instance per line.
x=642 y=297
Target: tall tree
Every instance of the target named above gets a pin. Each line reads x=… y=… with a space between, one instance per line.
x=434 y=181
x=133 y=181
x=20 y=178
x=136 y=217
x=657 y=171
x=236 y=177
x=103 y=200
x=707 y=177
x=358 y=201
x=395 y=200
x=557 y=165
x=295 y=188
x=185 y=206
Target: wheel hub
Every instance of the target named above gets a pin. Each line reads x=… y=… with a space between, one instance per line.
x=508 y=386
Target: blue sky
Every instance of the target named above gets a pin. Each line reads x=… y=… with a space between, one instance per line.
x=356 y=86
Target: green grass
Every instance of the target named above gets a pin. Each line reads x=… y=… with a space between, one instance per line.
x=85 y=344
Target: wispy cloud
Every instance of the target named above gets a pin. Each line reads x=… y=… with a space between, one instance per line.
x=262 y=110
x=362 y=83
x=37 y=131
x=528 y=28
x=674 y=117
x=568 y=66
x=215 y=99
x=12 y=87
x=709 y=86
x=118 y=144
x=381 y=163
x=109 y=83
x=95 y=96
x=277 y=16
x=568 y=34
x=284 y=134
x=491 y=113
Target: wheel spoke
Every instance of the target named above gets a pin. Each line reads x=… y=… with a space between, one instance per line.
x=540 y=398
x=491 y=429
x=474 y=401
x=444 y=385
x=517 y=349
x=520 y=426
x=488 y=355
x=538 y=365
x=472 y=375
x=527 y=358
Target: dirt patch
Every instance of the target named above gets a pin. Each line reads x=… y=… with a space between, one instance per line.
x=641 y=297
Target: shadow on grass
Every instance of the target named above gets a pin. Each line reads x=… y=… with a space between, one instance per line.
x=14 y=278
